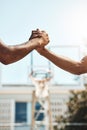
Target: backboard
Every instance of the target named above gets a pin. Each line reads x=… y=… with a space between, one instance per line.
x=60 y=77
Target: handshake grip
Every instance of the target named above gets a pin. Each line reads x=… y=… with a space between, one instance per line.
x=41 y=36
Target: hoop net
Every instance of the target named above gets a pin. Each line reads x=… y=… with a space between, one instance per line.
x=40 y=79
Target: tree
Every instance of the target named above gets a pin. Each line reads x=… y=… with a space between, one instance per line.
x=76 y=118
x=77 y=111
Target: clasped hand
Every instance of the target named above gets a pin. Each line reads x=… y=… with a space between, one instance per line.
x=41 y=36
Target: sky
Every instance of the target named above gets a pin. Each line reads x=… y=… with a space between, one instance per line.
x=64 y=20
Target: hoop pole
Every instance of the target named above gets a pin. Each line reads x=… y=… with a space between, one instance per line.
x=49 y=63
x=31 y=61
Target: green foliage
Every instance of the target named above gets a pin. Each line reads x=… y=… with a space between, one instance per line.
x=77 y=109
x=77 y=112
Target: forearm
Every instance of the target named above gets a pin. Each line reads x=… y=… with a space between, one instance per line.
x=10 y=54
x=63 y=62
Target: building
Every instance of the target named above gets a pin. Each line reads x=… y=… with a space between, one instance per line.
x=16 y=98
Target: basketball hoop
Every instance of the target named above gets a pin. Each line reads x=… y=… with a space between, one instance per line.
x=40 y=78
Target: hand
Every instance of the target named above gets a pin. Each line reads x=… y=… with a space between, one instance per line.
x=35 y=34
x=44 y=39
x=41 y=36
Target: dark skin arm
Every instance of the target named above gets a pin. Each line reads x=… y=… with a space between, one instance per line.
x=65 y=63
x=12 y=53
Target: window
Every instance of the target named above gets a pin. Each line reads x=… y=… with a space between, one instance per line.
x=21 y=112
x=38 y=107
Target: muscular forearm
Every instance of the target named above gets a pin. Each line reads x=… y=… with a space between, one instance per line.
x=64 y=62
x=10 y=54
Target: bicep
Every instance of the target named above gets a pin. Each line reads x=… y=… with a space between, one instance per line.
x=84 y=61
x=3 y=52
x=84 y=64
x=2 y=49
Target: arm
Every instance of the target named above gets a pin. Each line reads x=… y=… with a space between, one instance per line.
x=10 y=54
x=65 y=63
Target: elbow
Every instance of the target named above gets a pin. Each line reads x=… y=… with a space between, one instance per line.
x=5 y=62
x=79 y=69
x=78 y=73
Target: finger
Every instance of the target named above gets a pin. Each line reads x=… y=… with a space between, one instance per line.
x=42 y=31
x=34 y=31
x=38 y=30
x=35 y=36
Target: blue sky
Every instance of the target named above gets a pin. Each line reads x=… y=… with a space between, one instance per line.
x=64 y=20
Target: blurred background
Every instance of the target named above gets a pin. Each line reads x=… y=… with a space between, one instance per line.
x=66 y=23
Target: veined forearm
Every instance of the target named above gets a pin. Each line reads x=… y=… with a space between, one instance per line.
x=13 y=53
x=63 y=62
x=10 y=54
x=22 y=49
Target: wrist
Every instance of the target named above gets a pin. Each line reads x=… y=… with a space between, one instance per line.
x=43 y=51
